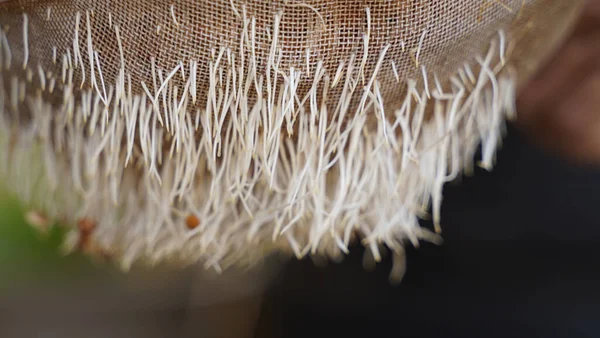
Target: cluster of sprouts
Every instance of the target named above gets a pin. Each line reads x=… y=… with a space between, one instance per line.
x=152 y=175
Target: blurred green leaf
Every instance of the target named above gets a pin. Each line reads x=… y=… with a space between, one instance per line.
x=26 y=252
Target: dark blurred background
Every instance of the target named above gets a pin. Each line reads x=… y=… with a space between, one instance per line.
x=521 y=258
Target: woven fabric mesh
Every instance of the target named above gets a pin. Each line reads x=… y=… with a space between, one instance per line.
x=393 y=44
x=449 y=32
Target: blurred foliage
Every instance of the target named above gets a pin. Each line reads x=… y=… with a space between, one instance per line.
x=27 y=253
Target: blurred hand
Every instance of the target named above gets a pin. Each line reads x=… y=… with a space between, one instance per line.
x=560 y=108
